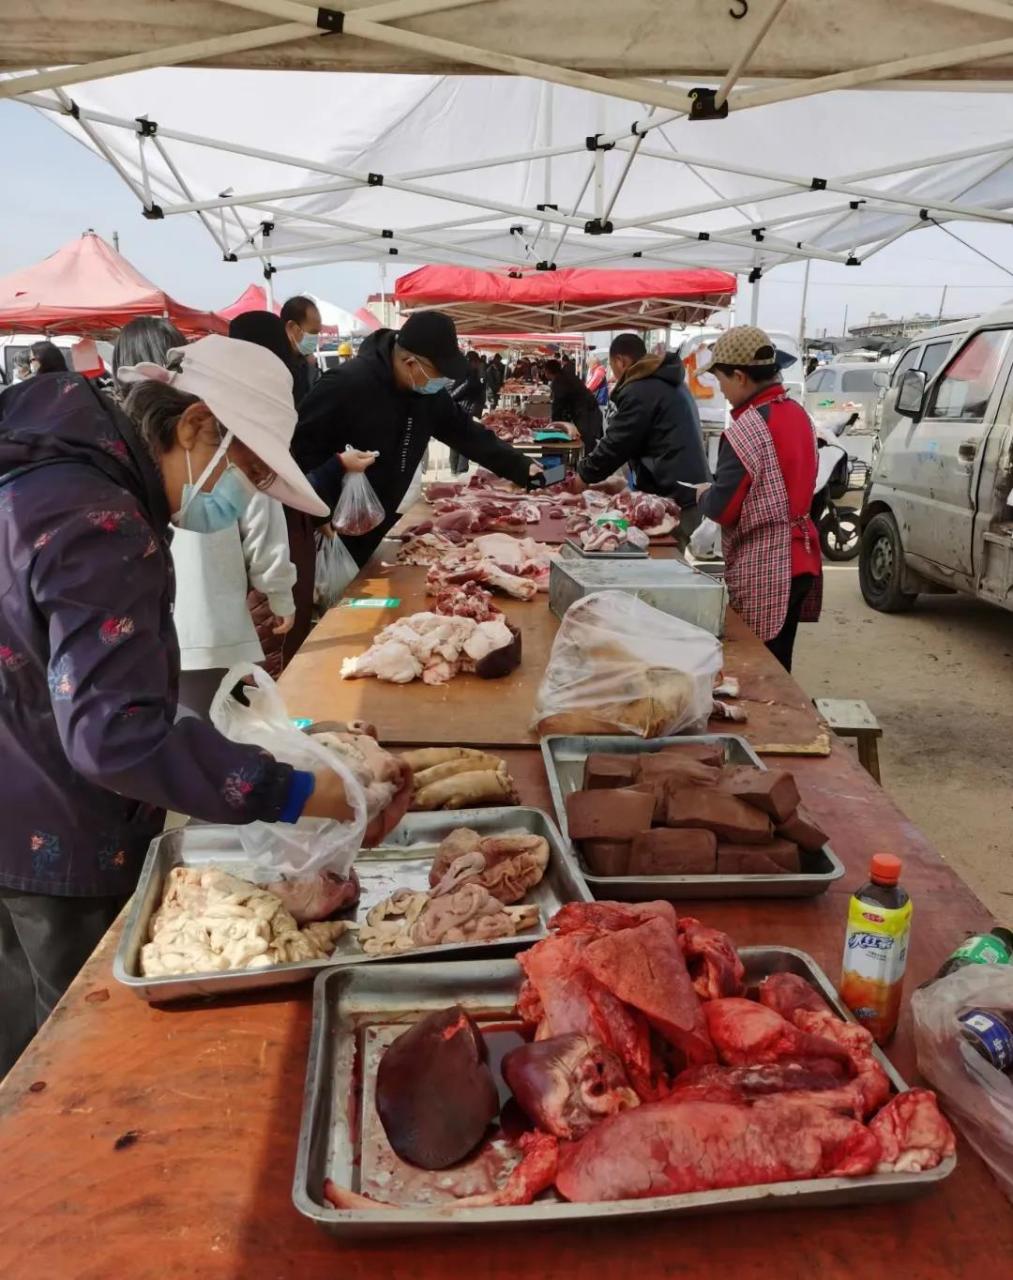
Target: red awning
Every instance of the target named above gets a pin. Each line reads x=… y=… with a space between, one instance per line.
x=88 y=288
x=570 y=298
x=253 y=298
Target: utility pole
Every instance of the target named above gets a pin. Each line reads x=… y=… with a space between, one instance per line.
x=942 y=304
x=116 y=244
x=844 y=326
x=801 y=317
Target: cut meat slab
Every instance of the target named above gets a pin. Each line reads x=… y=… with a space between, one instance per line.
x=786 y=993
x=913 y=1133
x=608 y=917
x=674 y=1147
x=745 y=1033
x=711 y=959
x=644 y=967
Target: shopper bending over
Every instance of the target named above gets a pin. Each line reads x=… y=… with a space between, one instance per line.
x=92 y=753
x=393 y=398
x=762 y=493
x=573 y=402
x=654 y=429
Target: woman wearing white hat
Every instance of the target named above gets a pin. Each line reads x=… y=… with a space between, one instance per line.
x=89 y=665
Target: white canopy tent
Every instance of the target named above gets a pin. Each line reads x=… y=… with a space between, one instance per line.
x=336 y=320
x=513 y=172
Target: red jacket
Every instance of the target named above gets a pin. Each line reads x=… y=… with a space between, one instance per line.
x=791 y=433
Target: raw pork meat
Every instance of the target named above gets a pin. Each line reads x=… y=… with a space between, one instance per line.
x=568 y=1083
x=674 y=1147
x=912 y=1133
x=871 y=1082
x=318 y=897
x=746 y=1033
x=468 y=600
x=431 y=646
x=508 y=866
x=607 y=917
x=713 y=1083
x=644 y=968
x=711 y=959
x=786 y=993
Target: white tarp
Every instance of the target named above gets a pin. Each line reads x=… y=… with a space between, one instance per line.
x=335 y=319
x=466 y=161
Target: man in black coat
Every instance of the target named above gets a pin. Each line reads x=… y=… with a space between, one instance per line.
x=654 y=428
x=495 y=376
x=572 y=402
x=393 y=398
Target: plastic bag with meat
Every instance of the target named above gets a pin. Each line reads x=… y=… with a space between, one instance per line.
x=359 y=509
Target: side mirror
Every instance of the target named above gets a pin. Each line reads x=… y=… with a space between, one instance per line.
x=880 y=379
x=911 y=393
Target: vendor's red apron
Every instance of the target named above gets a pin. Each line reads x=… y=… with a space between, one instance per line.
x=757 y=549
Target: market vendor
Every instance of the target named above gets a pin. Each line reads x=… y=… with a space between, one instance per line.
x=393 y=398
x=573 y=402
x=762 y=492
x=654 y=429
x=89 y=665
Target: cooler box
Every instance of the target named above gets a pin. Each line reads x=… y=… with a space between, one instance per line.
x=668 y=585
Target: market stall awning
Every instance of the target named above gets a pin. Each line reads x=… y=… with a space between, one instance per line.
x=545 y=301
x=336 y=321
x=253 y=298
x=543 y=342
x=86 y=287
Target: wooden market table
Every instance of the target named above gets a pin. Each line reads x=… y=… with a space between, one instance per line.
x=144 y=1143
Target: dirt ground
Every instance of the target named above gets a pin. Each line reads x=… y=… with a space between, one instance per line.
x=938 y=681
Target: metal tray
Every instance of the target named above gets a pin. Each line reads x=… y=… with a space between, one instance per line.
x=625 y=552
x=380 y=872
x=564 y=758
x=356 y=1011
x=670 y=586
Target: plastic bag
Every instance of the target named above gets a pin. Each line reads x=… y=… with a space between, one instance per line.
x=413 y=492
x=335 y=569
x=620 y=666
x=705 y=541
x=359 y=509
x=311 y=845
x=977 y=1096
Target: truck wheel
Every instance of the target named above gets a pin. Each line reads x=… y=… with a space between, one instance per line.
x=840 y=535
x=881 y=566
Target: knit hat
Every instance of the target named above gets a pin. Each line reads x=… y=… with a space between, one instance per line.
x=747 y=347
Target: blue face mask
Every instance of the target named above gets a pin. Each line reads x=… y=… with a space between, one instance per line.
x=432 y=386
x=211 y=512
x=308 y=344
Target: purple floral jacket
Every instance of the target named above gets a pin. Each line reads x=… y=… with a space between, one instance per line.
x=90 y=756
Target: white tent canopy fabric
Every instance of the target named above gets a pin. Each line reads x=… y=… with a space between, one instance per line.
x=497 y=172
x=336 y=320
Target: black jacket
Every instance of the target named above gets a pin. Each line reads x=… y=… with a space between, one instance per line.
x=359 y=404
x=655 y=427
x=470 y=393
x=572 y=402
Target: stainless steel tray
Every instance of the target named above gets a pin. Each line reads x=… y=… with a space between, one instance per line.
x=670 y=586
x=625 y=552
x=402 y=862
x=564 y=758
x=355 y=1011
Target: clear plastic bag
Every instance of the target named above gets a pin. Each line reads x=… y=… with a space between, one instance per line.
x=705 y=541
x=359 y=509
x=334 y=570
x=978 y=1097
x=620 y=666
x=310 y=846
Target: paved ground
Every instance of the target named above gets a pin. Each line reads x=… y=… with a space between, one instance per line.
x=939 y=682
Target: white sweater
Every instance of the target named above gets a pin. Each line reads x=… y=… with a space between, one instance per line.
x=213 y=574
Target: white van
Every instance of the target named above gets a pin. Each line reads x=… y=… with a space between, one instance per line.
x=937 y=513
x=12 y=344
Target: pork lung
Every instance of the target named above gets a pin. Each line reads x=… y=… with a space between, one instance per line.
x=746 y=1034
x=674 y=1147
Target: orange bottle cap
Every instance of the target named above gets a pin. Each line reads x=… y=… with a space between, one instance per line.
x=885 y=868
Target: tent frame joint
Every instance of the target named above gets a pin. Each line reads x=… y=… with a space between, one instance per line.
x=818 y=184
x=545 y=265
x=146 y=128
x=706 y=106
x=331 y=20
x=374 y=179
x=153 y=212
x=852 y=261
x=594 y=143
x=229 y=257
x=755 y=276
x=598 y=227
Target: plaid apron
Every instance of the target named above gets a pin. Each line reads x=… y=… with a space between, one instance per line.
x=758 y=549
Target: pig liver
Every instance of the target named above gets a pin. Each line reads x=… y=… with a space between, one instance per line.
x=801 y=829
x=608 y=815
x=712 y=753
x=676 y=771
x=730 y=818
x=669 y=852
x=601 y=771
x=606 y=857
x=771 y=790
x=775 y=858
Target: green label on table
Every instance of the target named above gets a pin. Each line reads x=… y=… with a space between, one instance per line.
x=369 y=602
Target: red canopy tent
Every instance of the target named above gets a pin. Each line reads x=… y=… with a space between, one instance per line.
x=569 y=298
x=86 y=287
x=253 y=298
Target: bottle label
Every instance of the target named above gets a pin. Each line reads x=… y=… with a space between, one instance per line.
x=875 y=956
x=982 y=949
x=993 y=1039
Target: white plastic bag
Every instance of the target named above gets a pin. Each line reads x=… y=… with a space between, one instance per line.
x=620 y=666
x=976 y=1096
x=335 y=569
x=311 y=845
x=705 y=541
x=359 y=509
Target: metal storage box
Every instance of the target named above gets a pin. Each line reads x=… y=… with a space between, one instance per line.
x=668 y=585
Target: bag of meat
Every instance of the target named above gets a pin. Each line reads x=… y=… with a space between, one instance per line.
x=359 y=509
x=311 y=847
x=334 y=570
x=620 y=666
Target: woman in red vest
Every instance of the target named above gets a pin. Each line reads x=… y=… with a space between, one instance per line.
x=762 y=492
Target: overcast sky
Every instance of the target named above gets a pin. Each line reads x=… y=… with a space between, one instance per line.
x=55 y=188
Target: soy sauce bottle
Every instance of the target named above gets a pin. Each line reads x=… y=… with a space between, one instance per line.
x=876 y=947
